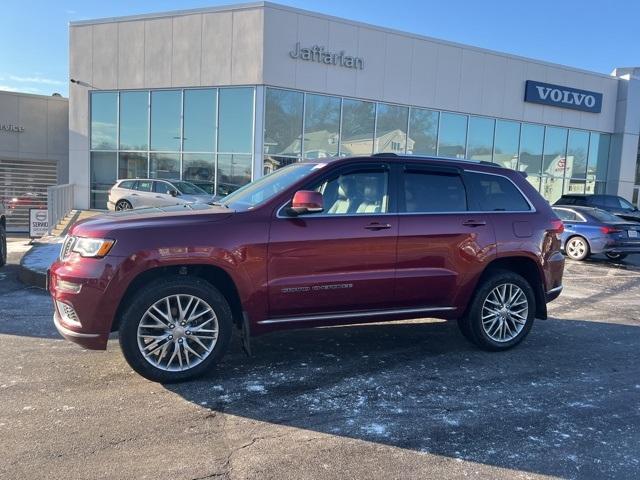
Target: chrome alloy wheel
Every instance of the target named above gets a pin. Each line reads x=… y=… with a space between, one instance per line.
x=504 y=312
x=576 y=248
x=177 y=332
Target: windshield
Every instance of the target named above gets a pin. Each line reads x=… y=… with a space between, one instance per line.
x=605 y=217
x=187 y=188
x=265 y=188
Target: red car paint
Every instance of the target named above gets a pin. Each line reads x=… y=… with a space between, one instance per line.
x=285 y=267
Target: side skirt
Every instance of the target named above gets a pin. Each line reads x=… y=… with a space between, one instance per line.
x=363 y=314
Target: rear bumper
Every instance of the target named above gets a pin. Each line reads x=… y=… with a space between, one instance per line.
x=111 y=206
x=623 y=248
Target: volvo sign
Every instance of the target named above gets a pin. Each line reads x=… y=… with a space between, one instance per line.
x=564 y=97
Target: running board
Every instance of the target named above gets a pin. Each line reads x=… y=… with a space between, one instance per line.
x=347 y=315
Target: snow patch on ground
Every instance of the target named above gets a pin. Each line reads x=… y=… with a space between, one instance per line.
x=375 y=429
x=255 y=388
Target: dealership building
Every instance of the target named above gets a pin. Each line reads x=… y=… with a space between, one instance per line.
x=224 y=95
x=33 y=152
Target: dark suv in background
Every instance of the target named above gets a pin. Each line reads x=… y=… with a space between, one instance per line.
x=323 y=242
x=610 y=203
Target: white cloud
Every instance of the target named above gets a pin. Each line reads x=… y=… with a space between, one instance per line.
x=41 y=80
x=8 y=88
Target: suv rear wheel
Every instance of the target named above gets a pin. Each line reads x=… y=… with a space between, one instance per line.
x=175 y=329
x=501 y=313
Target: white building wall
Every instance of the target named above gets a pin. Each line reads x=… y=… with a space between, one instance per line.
x=414 y=70
x=197 y=48
x=44 y=137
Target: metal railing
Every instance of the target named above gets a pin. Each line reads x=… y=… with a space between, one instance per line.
x=59 y=203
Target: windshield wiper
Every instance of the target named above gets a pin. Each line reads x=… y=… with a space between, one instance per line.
x=218 y=204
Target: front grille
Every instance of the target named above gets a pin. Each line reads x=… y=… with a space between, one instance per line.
x=67 y=246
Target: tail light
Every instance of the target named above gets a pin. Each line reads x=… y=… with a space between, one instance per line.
x=556 y=226
x=608 y=230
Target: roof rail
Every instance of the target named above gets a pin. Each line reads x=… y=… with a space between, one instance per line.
x=427 y=157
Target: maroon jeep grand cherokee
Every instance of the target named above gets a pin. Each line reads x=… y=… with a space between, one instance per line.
x=315 y=243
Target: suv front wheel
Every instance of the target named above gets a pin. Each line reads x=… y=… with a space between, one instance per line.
x=501 y=312
x=175 y=329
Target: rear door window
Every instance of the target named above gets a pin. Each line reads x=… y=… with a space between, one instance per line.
x=495 y=193
x=162 y=187
x=432 y=192
x=144 y=185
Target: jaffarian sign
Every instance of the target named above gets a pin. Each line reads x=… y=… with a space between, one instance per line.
x=563 y=97
x=320 y=55
x=38 y=222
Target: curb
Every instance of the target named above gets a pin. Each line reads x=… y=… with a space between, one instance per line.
x=33 y=266
x=32 y=277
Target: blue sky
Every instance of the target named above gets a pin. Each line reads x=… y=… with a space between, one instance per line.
x=588 y=34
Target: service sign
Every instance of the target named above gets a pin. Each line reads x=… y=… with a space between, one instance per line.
x=38 y=222
x=563 y=97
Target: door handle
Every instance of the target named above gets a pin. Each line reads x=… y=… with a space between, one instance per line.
x=474 y=223
x=378 y=226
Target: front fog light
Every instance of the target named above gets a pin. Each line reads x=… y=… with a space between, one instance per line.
x=68 y=287
x=68 y=314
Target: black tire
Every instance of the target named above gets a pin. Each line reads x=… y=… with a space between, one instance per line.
x=583 y=254
x=616 y=256
x=123 y=205
x=471 y=324
x=148 y=296
x=3 y=246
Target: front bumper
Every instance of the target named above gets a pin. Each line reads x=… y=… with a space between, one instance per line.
x=91 y=310
x=92 y=341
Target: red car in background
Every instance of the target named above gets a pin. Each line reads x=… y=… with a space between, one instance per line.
x=323 y=242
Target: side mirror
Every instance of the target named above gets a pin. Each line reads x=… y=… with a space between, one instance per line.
x=306 y=201
x=173 y=193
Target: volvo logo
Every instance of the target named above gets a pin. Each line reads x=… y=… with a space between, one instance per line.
x=564 y=97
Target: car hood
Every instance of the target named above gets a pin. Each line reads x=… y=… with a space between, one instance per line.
x=108 y=224
x=196 y=198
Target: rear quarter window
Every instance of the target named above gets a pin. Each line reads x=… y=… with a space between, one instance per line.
x=128 y=184
x=495 y=193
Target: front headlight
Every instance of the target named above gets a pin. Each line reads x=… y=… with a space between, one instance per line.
x=92 y=247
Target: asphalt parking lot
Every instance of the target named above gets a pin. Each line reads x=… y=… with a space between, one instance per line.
x=402 y=400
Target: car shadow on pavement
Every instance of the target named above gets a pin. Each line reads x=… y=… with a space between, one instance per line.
x=565 y=402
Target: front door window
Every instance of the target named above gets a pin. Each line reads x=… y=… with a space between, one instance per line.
x=360 y=192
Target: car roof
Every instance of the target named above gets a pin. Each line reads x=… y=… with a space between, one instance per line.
x=434 y=160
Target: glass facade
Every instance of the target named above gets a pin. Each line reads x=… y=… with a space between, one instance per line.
x=203 y=135
x=206 y=135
